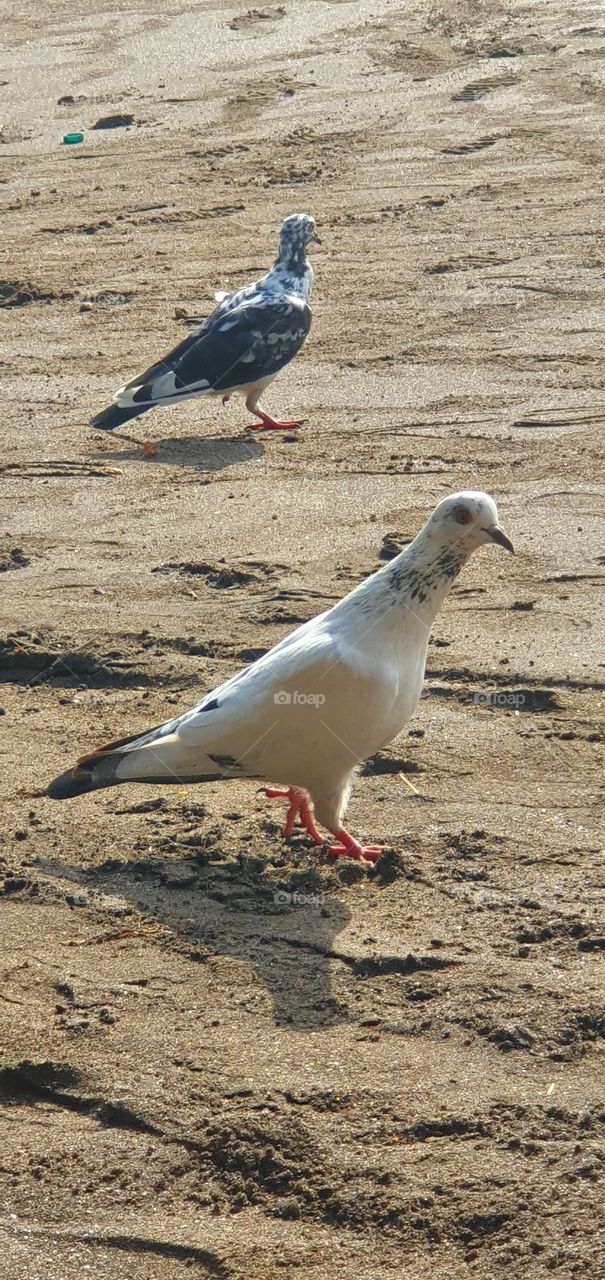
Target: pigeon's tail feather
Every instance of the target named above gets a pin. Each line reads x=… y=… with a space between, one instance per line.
x=90 y=774
x=155 y=757
x=94 y=771
x=114 y=417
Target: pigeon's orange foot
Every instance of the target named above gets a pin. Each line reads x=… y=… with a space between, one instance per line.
x=298 y=807
x=349 y=848
x=271 y=424
x=150 y=450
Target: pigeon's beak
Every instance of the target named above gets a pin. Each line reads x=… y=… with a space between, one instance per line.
x=314 y=238
x=498 y=535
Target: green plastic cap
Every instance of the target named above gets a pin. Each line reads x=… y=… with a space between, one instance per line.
x=71 y=138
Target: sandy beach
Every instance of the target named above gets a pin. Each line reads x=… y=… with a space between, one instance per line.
x=222 y=1054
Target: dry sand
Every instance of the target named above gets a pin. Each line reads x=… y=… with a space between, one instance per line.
x=401 y=1075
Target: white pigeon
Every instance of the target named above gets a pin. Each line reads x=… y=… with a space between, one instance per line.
x=329 y=695
x=242 y=346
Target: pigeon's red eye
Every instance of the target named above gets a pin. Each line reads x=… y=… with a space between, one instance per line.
x=462 y=515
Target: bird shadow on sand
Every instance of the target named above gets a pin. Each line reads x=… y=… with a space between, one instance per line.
x=280 y=922
x=199 y=453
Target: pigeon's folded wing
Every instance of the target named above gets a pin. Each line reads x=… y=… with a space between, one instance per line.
x=234 y=718
x=299 y=702
x=235 y=347
x=243 y=728
x=229 y=732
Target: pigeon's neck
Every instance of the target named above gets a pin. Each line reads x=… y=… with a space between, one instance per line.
x=409 y=591
x=421 y=576
x=291 y=272
x=292 y=258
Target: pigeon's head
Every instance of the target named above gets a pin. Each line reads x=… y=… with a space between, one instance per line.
x=296 y=233
x=468 y=520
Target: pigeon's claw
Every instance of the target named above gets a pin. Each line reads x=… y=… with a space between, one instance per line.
x=267 y=423
x=299 y=807
x=350 y=848
x=150 y=450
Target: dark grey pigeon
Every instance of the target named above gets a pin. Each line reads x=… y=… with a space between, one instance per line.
x=241 y=347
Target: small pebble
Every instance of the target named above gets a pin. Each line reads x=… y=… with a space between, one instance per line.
x=77 y=899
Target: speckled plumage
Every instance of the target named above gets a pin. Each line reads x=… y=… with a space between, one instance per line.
x=251 y=335
x=418 y=584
